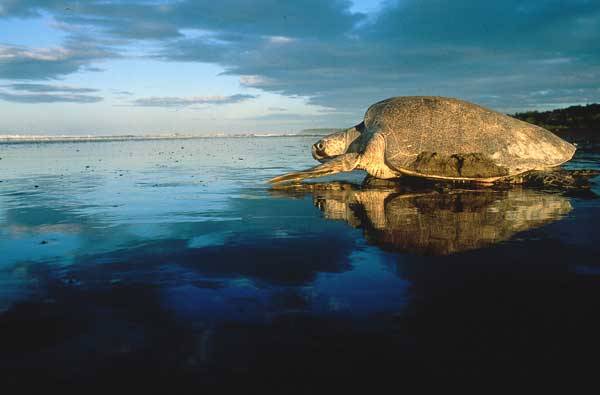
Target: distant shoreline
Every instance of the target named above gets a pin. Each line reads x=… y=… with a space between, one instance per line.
x=24 y=139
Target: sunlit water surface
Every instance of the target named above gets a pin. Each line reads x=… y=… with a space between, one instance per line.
x=174 y=256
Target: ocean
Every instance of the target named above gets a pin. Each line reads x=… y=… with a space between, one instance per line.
x=163 y=262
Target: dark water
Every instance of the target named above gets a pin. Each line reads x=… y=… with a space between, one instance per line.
x=172 y=263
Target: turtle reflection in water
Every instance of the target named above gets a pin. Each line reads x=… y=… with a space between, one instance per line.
x=436 y=223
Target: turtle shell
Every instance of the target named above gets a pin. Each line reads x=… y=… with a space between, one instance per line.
x=449 y=138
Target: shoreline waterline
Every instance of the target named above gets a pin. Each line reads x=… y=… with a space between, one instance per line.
x=24 y=139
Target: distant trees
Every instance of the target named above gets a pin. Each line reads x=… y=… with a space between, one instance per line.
x=571 y=119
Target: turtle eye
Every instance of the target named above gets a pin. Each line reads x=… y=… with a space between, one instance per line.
x=320 y=146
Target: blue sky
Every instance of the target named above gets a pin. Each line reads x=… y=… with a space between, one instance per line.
x=161 y=66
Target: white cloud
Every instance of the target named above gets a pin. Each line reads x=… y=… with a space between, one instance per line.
x=188 y=101
x=43 y=63
x=280 y=40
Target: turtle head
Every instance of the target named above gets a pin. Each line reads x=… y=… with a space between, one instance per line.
x=336 y=144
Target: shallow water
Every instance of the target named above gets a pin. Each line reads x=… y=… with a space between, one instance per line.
x=174 y=257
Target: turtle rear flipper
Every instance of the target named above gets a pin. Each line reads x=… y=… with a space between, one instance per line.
x=557 y=178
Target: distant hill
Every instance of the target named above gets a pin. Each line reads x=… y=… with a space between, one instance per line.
x=573 y=122
x=320 y=131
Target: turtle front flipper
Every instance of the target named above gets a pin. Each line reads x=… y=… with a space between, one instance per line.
x=342 y=163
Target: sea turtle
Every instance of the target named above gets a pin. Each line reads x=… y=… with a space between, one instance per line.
x=437 y=138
